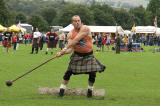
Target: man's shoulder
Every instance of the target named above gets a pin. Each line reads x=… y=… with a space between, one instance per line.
x=85 y=27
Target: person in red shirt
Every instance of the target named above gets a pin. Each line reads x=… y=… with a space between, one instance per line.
x=51 y=36
x=103 y=41
x=15 y=40
x=25 y=38
x=29 y=38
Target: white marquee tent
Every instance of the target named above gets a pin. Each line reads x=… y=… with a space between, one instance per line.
x=107 y=29
x=158 y=31
x=67 y=28
x=127 y=32
x=145 y=29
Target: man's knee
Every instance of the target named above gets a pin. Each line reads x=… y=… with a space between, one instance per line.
x=67 y=75
x=92 y=77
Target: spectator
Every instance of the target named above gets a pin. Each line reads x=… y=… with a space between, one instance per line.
x=51 y=36
x=35 y=42
x=7 y=40
x=61 y=40
x=118 y=44
x=15 y=41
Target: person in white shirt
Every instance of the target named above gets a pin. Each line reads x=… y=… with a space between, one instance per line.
x=61 y=40
x=108 y=42
x=36 y=39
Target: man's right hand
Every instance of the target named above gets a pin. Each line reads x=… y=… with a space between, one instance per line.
x=58 y=54
x=62 y=52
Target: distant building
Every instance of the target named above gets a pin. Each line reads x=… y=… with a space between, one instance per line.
x=56 y=28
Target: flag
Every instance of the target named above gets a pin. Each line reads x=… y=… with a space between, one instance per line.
x=134 y=28
x=19 y=25
x=155 y=21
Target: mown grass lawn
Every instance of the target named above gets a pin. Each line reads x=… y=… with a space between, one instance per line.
x=131 y=79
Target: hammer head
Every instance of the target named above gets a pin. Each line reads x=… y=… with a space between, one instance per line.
x=9 y=83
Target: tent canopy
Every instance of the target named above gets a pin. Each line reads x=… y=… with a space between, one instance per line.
x=127 y=32
x=23 y=30
x=14 y=28
x=145 y=29
x=158 y=31
x=67 y=28
x=107 y=29
x=2 y=28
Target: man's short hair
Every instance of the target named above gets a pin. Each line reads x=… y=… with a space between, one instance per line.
x=74 y=16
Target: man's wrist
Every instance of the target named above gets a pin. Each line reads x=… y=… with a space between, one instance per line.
x=63 y=51
x=65 y=48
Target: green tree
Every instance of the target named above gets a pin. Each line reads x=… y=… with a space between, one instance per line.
x=139 y=15
x=150 y=18
x=4 y=13
x=154 y=7
x=38 y=22
x=153 y=10
x=20 y=16
x=28 y=7
x=74 y=9
x=102 y=18
x=49 y=14
x=34 y=6
x=103 y=14
x=105 y=8
x=12 y=18
x=124 y=18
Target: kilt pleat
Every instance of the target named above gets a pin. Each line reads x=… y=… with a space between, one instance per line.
x=35 y=44
x=7 y=43
x=51 y=44
x=85 y=64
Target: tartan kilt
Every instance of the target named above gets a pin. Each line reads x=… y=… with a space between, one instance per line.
x=35 y=44
x=51 y=44
x=86 y=64
x=7 y=43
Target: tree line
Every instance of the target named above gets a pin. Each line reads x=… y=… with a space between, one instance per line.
x=42 y=14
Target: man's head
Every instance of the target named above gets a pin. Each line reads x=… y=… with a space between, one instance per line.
x=61 y=32
x=102 y=34
x=52 y=30
x=76 y=21
x=37 y=30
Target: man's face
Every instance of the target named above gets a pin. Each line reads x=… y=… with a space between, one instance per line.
x=76 y=21
x=52 y=30
x=37 y=30
x=61 y=32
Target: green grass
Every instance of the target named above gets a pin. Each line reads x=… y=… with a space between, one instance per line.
x=131 y=79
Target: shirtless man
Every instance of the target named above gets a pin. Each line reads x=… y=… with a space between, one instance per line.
x=82 y=60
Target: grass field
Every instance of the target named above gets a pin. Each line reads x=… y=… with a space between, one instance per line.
x=131 y=79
